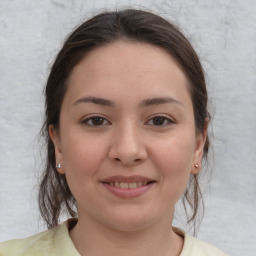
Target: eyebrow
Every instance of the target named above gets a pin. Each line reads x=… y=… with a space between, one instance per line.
x=95 y=100
x=158 y=101
x=144 y=103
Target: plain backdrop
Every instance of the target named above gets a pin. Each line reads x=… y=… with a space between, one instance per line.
x=224 y=35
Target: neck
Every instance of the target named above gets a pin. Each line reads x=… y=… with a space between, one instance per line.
x=95 y=239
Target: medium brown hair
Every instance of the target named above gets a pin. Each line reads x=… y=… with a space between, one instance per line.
x=131 y=25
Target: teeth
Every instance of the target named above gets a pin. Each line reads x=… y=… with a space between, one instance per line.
x=132 y=185
x=124 y=185
x=128 y=185
x=139 y=184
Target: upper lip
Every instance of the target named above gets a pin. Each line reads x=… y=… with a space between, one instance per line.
x=126 y=179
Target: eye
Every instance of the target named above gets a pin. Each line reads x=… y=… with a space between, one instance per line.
x=160 y=121
x=96 y=121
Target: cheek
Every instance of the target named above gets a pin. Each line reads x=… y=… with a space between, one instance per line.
x=175 y=151
x=82 y=158
x=174 y=160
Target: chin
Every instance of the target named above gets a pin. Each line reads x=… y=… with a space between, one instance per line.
x=131 y=222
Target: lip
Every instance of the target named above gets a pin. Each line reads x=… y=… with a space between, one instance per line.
x=127 y=193
x=119 y=178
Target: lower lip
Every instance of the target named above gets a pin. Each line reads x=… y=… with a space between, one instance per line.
x=128 y=192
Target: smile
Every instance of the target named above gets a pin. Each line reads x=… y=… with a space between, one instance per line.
x=128 y=187
x=129 y=184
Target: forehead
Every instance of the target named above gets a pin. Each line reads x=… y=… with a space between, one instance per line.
x=128 y=67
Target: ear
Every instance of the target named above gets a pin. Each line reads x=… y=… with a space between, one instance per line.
x=54 y=135
x=199 y=149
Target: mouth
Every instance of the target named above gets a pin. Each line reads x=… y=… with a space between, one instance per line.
x=128 y=187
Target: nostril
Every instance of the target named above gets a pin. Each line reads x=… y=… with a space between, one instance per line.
x=116 y=159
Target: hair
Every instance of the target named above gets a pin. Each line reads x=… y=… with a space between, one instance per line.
x=105 y=28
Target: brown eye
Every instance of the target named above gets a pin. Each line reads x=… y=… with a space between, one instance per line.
x=159 y=121
x=96 y=121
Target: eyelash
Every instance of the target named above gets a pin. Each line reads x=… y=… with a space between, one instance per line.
x=90 y=119
x=166 y=121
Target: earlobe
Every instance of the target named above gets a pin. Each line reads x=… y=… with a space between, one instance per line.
x=199 y=149
x=57 y=148
x=195 y=169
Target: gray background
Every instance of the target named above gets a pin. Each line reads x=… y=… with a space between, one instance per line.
x=224 y=34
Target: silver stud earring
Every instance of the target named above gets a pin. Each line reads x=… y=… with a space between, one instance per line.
x=196 y=165
x=58 y=166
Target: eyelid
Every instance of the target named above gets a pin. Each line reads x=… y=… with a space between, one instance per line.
x=168 y=118
x=85 y=120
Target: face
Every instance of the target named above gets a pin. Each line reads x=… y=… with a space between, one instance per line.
x=127 y=140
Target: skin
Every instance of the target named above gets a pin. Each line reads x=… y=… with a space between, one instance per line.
x=127 y=141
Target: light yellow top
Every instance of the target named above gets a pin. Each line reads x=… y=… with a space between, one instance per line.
x=57 y=242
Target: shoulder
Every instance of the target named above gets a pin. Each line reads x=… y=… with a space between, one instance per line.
x=196 y=247
x=52 y=242
x=30 y=245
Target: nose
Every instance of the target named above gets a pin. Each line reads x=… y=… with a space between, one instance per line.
x=127 y=145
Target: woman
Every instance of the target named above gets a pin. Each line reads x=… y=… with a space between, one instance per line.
x=126 y=127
